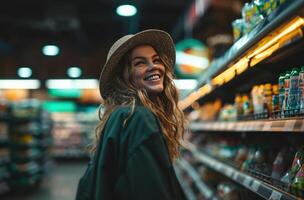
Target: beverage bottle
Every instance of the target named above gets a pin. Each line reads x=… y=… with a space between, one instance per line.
x=267 y=99
x=254 y=99
x=281 y=91
x=238 y=105
x=301 y=89
x=275 y=98
x=260 y=99
x=293 y=95
x=247 y=105
x=286 y=89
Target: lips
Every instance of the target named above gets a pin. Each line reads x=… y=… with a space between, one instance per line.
x=152 y=77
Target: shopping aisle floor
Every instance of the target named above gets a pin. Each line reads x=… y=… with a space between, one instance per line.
x=60 y=184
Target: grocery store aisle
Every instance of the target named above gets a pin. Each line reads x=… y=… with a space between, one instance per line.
x=61 y=183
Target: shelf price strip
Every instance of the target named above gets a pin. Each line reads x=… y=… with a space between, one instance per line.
x=247 y=181
x=204 y=189
x=188 y=192
x=277 y=125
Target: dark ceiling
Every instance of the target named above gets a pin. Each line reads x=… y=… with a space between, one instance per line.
x=85 y=29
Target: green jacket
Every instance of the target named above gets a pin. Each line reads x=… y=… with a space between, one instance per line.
x=131 y=162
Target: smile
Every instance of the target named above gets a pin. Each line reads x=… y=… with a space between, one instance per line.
x=153 y=77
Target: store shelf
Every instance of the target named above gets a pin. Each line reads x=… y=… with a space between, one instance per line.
x=202 y=187
x=284 y=125
x=264 y=190
x=277 y=18
x=186 y=188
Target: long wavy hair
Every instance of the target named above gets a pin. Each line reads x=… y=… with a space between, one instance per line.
x=124 y=93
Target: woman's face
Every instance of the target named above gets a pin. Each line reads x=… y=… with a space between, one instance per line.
x=147 y=70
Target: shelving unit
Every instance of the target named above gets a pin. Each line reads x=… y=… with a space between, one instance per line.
x=4 y=153
x=29 y=141
x=241 y=56
x=255 y=185
x=202 y=187
x=73 y=132
x=273 y=46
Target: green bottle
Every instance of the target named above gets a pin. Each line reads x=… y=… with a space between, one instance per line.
x=281 y=91
x=286 y=89
x=301 y=88
x=293 y=95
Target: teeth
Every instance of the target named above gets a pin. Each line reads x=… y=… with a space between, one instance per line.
x=153 y=77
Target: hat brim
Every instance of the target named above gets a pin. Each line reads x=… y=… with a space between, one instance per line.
x=159 y=40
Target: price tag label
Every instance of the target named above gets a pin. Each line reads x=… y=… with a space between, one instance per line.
x=289 y=125
x=229 y=172
x=275 y=195
x=255 y=186
x=230 y=125
x=267 y=126
x=247 y=181
x=256 y=125
x=235 y=175
x=250 y=126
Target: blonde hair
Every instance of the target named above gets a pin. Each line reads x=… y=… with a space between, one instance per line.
x=124 y=93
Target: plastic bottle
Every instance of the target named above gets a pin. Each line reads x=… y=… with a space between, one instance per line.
x=293 y=95
x=281 y=91
x=267 y=99
x=275 y=98
x=301 y=89
x=286 y=88
x=238 y=105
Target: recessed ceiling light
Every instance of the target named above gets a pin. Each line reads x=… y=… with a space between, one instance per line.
x=126 y=10
x=50 y=50
x=24 y=72
x=74 y=72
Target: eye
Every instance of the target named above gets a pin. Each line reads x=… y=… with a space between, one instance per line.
x=158 y=61
x=140 y=62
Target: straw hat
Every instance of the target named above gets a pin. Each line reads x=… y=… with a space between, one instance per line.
x=160 y=40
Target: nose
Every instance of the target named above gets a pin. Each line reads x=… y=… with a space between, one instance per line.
x=151 y=65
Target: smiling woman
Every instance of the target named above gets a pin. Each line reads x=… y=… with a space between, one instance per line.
x=139 y=134
x=147 y=70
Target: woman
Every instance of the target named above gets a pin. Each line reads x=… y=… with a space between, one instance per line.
x=139 y=132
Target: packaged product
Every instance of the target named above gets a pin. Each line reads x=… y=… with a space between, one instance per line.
x=275 y=98
x=301 y=89
x=247 y=105
x=237 y=27
x=267 y=98
x=251 y=16
x=238 y=105
x=265 y=7
x=281 y=164
x=299 y=179
x=295 y=167
x=281 y=90
x=293 y=95
x=286 y=87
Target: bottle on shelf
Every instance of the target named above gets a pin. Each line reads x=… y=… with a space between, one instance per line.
x=286 y=89
x=301 y=88
x=293 y=93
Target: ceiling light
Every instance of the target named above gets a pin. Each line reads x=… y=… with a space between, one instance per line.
x=183 y=58
x=185 y=84
x=74 y=72
x=72 y=83
x=19 y=84
x=126 y=10
x=24 y=72
x=50 y=50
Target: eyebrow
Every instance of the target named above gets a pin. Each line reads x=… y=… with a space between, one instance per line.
x=141 y=57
